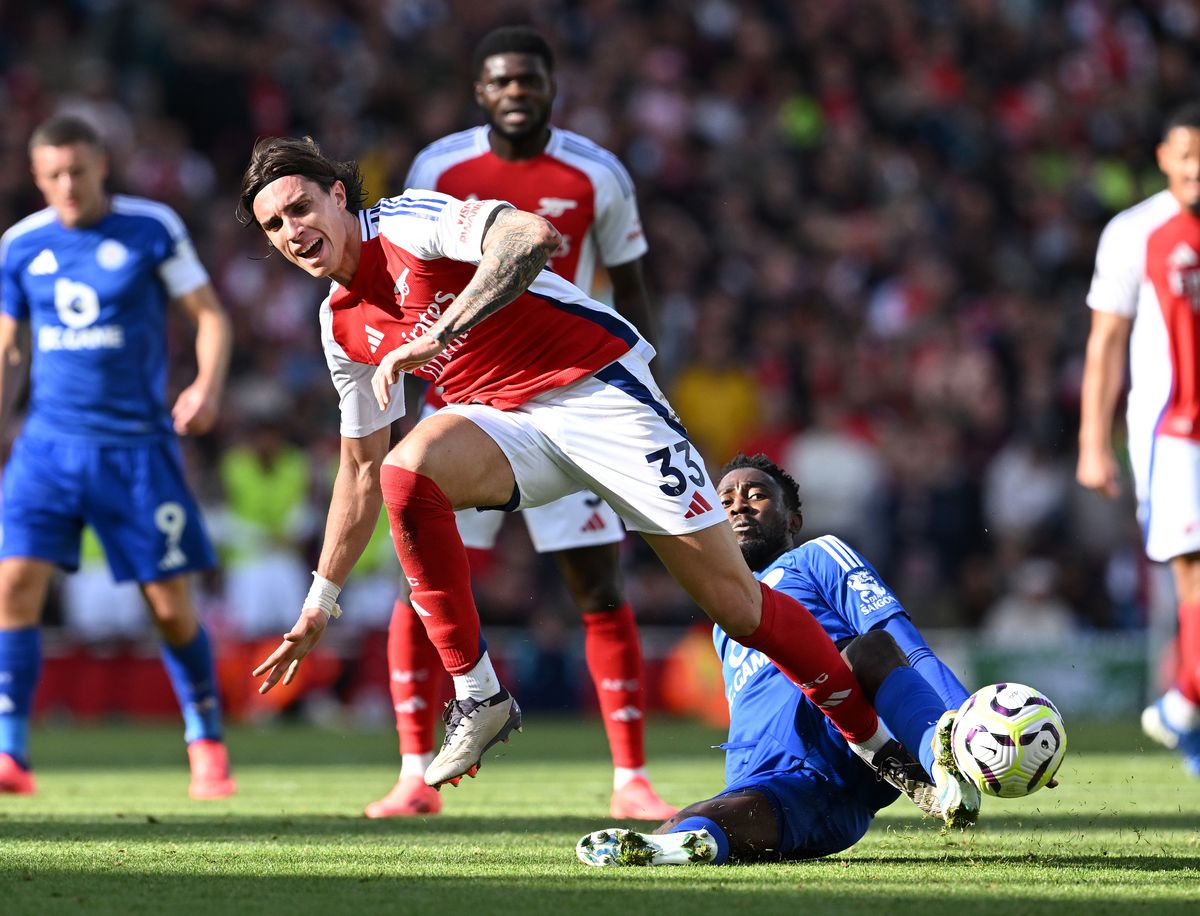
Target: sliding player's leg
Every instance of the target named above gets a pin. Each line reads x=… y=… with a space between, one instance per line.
x=918 y=716
x=789 y=816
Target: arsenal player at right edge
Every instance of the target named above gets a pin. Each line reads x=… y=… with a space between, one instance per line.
x=1145 y=299
x=548 y=392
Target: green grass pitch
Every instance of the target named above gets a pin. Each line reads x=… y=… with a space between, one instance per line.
x=113 y=831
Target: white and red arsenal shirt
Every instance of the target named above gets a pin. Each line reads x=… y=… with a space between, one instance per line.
x=419 y=251
x=1148 y=269
x=581 y=188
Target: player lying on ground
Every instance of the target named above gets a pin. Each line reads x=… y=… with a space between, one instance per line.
x=794 y=789
x=548 y=392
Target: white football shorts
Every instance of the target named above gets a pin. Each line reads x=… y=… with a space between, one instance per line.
x=581 y=519
x=612 y=433
x=1167 y=478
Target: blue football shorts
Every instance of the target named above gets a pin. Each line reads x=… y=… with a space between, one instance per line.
x=816 y=816
x=134 y=497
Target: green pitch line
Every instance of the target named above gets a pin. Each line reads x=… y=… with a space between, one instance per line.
x=113 y=831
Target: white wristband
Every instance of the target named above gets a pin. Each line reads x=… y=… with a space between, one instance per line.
x=323 y=594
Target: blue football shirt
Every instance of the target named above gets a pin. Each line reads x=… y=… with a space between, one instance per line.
x=772 y=725
x=96 y=297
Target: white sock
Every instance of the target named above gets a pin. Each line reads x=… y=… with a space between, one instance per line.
x=415 y=764
x=671 y=848
x=867 y=749
x=622 y=776
x=1180 y=713
x=479 y=683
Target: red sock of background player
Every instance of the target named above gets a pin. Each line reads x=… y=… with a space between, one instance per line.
x=791 y=637
x=614 y=659
x=1188 y=678
x=414 y=676
x=434 y=560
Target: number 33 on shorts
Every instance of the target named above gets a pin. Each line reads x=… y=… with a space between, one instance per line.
x=668 y=460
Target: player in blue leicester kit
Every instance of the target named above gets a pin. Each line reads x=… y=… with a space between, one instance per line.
x=794 y=789
x=92 y=274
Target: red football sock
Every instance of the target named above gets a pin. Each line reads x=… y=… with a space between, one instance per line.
x=614 y=658
x=414 y=675
x=435 y=562
x=791 y=637
x=1188 y=677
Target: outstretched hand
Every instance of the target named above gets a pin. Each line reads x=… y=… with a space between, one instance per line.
x=297 y=643
x=407 y=356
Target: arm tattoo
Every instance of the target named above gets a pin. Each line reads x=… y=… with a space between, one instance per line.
x=515 y=250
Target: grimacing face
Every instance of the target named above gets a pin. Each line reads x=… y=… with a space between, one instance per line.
x=516 y=92
x=305 y=223
x=761 y=522
x=71 y=178
x=1179 y=159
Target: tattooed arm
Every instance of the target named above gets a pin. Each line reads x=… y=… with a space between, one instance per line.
x=516 y=246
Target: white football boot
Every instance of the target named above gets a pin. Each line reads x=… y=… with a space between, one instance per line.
x=472 y=726
x=618 y=847
x=957 y=796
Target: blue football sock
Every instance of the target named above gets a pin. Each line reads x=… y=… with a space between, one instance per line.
x=703 y=823
x=910 y=708
x=190 y=668
x=20 y=666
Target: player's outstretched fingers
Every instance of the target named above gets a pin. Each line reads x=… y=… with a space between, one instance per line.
x=275 y=665
x=291 y=671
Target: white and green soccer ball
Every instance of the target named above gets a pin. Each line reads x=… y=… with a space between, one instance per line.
x=1009 y=739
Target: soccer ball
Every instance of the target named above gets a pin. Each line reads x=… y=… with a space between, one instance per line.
x=1008 y=739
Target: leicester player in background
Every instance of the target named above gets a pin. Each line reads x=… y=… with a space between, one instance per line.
x=93 y=274
x=587 y=195
x=794 y=789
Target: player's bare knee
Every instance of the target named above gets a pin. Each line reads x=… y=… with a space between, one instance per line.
x=872 y=657
x=412 y=456
x=22 y=593
x=733 y=608
x=170 y=604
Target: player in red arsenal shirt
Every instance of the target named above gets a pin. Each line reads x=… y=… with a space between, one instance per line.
x=548 y=392
x=587 y=195
x=1145 y=301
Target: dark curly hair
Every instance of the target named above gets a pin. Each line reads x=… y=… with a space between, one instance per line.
x=511 y=39
x=274 y=157
x=760 y=462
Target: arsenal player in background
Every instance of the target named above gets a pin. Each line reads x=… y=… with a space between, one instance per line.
x=1144 y=297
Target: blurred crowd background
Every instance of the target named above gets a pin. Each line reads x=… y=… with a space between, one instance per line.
x=871 y=226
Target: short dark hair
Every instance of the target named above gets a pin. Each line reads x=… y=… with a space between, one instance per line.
x=1186 y=115
x=63 y=130
x=760 y=462
x=275 y=157
x=512 y=39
